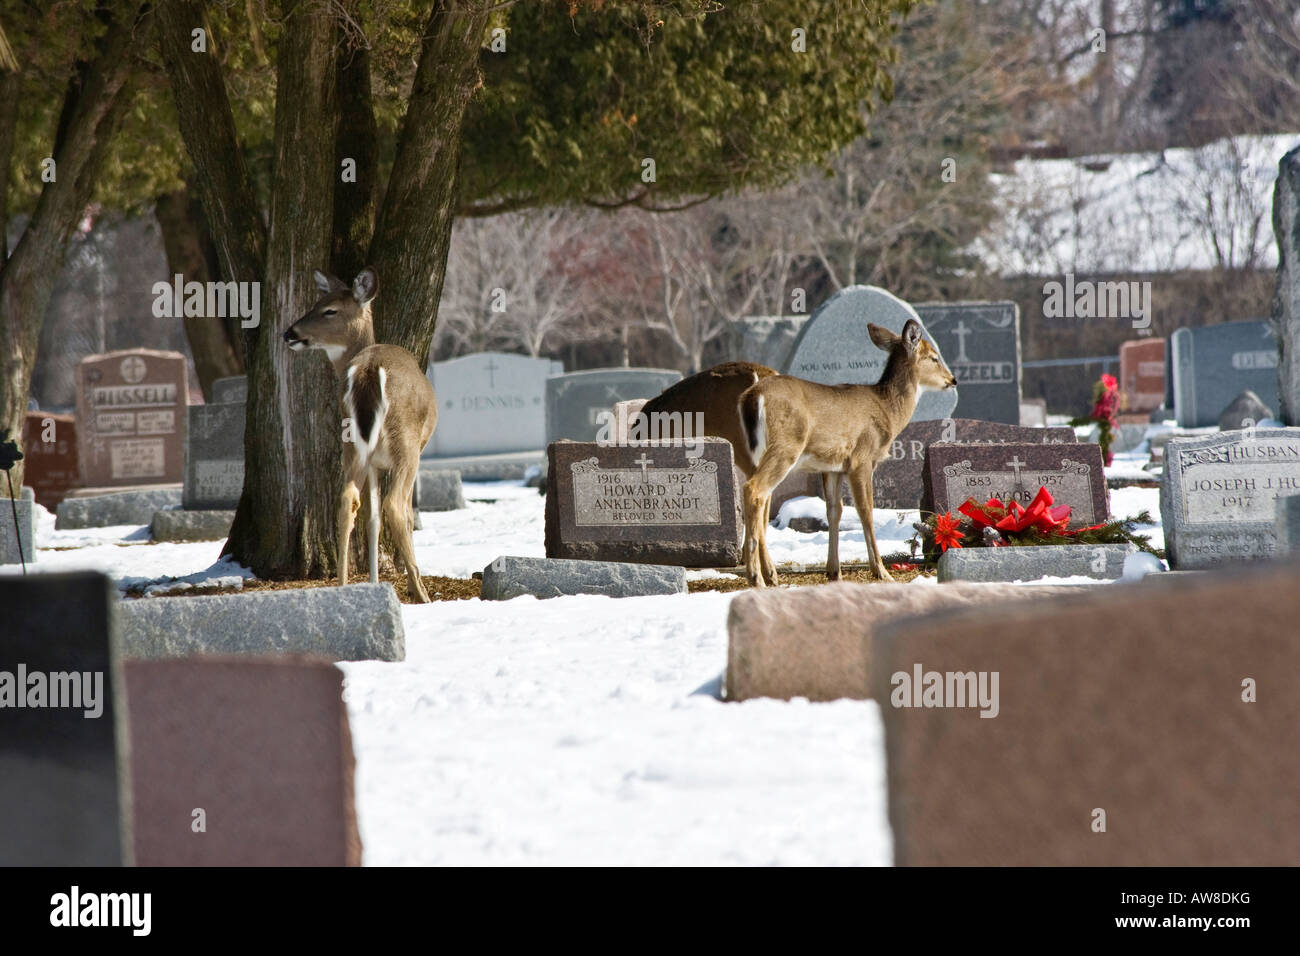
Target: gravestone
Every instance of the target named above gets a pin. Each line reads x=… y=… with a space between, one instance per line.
x=1285 y=314
x=1142 y=374
x=26 y=530
x=1102 y=562
x=230 y=390
x=214 y=457
x=115 y=508
x=981 y=343
x=1214 y=364
x=1073 y=474
x=490 y=402
x=1217 y=495
x=1033 y=413
x=1244 y=411
x=510 y=577
x=649 y=504
x=50 y=467
x=575 y=402
x=131 y=417
x=834 y=347
x=1136 y=700
x=260 y=745
x=59 y=803
x=762 y=339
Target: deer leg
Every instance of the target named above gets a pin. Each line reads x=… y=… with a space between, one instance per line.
x=860 y=484
x=758 y=497
x=834 y=508
x=372 y=489
x=765 y=557
x=349 y=502
x=397 y=509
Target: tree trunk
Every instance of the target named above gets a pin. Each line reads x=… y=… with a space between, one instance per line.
x=413 y=234
x=284 y=526
x=96 y=101
x=214 y=342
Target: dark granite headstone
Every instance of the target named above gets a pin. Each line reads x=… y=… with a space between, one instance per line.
x=25 y=533
x=50 y=467
x=230 y=390
x=214 y=457
x=131 y=417
x=1214 y=364
x=575 y=401
x=649 y=504
x=59 y=797
x=834 y=346
x=1073 y=474
x=1218 y=492
x=981 y=343
x=243 y=762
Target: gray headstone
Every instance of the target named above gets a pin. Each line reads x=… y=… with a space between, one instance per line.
x=1285 y=314
x=26 y=528
x=438 y=489
x=1217 y=495
x=655 y=503
x=574 y=401
x=214 y=457
x=1033 y=412
x=1214 y=364
x=1287 y=525
x=490 y=402
x=899 y=482
x=131 y=417
x=834 y=347
x=1072 y=474
x=1244 y=411
x=123 y=507
x=981 y=343
x=358 y=622
x=59 y=789
x=1102 y=561
x=764 y=340
x=510 y=577
x=230 y=390
x=191 y=525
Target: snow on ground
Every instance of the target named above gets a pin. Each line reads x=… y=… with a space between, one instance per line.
x=583 y=730
x=580 y=730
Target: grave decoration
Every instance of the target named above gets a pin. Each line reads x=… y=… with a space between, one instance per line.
x=996 y=523
x=1105 y=406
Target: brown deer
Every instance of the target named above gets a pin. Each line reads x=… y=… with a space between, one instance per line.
x=389 y=412
x=834 y=430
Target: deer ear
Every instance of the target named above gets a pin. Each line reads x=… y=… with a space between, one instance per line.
x=881 y=337
x=912 y=335
x=326 y=284
x=365 y=285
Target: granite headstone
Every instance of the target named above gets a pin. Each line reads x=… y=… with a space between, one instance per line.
x=50 y=453
x=1142 y=374
x=1214 y=364
x=981 y=343
x=834 y=346
x=490 y=402
x=214 y=456
x=575 y=403
x=131 y=417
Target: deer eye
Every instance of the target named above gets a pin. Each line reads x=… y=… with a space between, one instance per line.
x=330 y=311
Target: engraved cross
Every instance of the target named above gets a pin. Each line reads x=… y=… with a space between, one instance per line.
x=961 y=332
x=645 y=463
x=1016 y=464
x=491 y=368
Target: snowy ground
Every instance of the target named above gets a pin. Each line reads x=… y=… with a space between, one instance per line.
x=579 y=730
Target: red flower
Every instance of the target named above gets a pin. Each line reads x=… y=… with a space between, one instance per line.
x=947 y=531
x=1109 y=383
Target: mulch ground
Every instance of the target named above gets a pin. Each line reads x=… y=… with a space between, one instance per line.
x=464 y=589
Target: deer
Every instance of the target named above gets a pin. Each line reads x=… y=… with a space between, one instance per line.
x=838 y=431
x=391 y=408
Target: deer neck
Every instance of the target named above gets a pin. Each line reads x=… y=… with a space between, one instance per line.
x=362 y=338
x=899 y=388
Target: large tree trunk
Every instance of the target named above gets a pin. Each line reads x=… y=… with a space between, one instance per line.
x=96 y=100
x=215 y=343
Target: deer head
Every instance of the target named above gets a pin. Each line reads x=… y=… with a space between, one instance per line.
x=340 y=320
x=911 y=352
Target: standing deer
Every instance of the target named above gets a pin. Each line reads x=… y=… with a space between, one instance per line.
x=835 y=430
x=392 y=410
